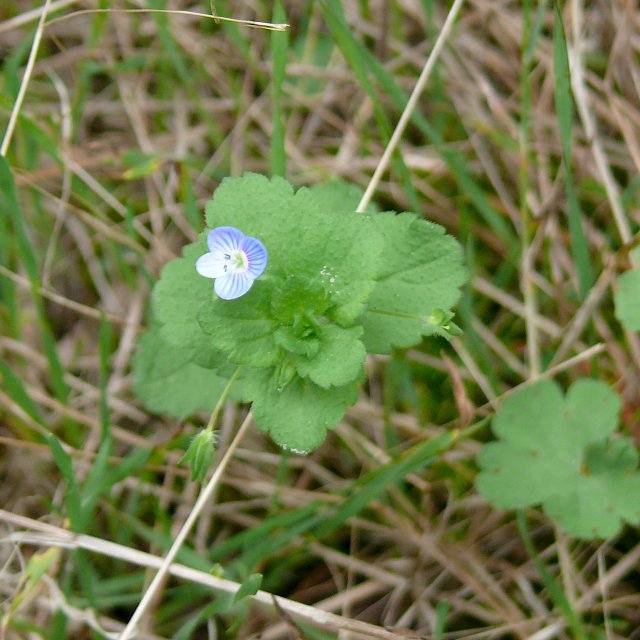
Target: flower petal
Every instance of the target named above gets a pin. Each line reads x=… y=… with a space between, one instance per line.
x=210 y=265
x=233 y=285
x=224 y=239
x=256 y=255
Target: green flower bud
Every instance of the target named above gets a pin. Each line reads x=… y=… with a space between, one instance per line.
x=200 y=453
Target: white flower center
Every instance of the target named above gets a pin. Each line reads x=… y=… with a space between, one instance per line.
x=236 y=261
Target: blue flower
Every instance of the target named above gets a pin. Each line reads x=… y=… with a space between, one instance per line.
x=234 y=260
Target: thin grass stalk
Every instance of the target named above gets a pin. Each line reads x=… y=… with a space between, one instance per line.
x=203 y=499
x=17 y=106
x=411 y=105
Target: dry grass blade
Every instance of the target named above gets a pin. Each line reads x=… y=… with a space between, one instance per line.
x=54 y=536
x=24 y=85
x=252 y=24
x=120 y=124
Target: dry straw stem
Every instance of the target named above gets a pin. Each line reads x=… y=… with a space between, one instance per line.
x=206 y=494
x=399 y=577
x=252 y=24
x=49 y=535
x=204 y=498
x=34 y=14
x=63 y=301
x=584 y=313
x=411 y=105
x=599 y=155
x=42 y=23
x=22 y=92
x=589 y=124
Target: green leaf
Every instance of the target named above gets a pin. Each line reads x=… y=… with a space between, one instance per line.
x=295 y=340
x=296 y=333
x=176 y=299
x=249 y=587
x=339 y=358
x=627 y=297
x=168 y=381
x=304 y=236
x=616 y=454
x=559 y=451
x=298 y=413
x=37 y=566
x=294 y=297
x=420 y=273
x=242 y=328
x=342 y=197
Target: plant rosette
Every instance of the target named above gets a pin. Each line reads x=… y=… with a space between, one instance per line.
x=303 y=287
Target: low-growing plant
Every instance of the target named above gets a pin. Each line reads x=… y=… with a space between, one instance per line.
x=563 y=452
x=304 y=287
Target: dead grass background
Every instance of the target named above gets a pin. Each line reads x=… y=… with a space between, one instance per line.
x=101 y=95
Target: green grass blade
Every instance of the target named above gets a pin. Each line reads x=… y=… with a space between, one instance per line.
x=17 y=392
x=356 y=56
x=192 y=208
x=8 y=300
x=279 y=50
x=455 y=160
x=105 y=474
x=375 y=483
x=553 y=588
x=250 y=538
x=169 y=44
x=72 y=495
x=442 y=613
x=564 y=110
x=321 y=518
x=10 y=203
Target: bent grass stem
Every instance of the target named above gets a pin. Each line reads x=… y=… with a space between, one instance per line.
x=403 y=121
x=203 y=498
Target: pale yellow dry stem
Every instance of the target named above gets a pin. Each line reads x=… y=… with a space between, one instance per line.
x=474 y=370
x=48 y=535
x=499 y=348
x=405 y=117
x=203 y=499
x=253 y=24
x=34 y=14
x=478 y=78
x=24 y=84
